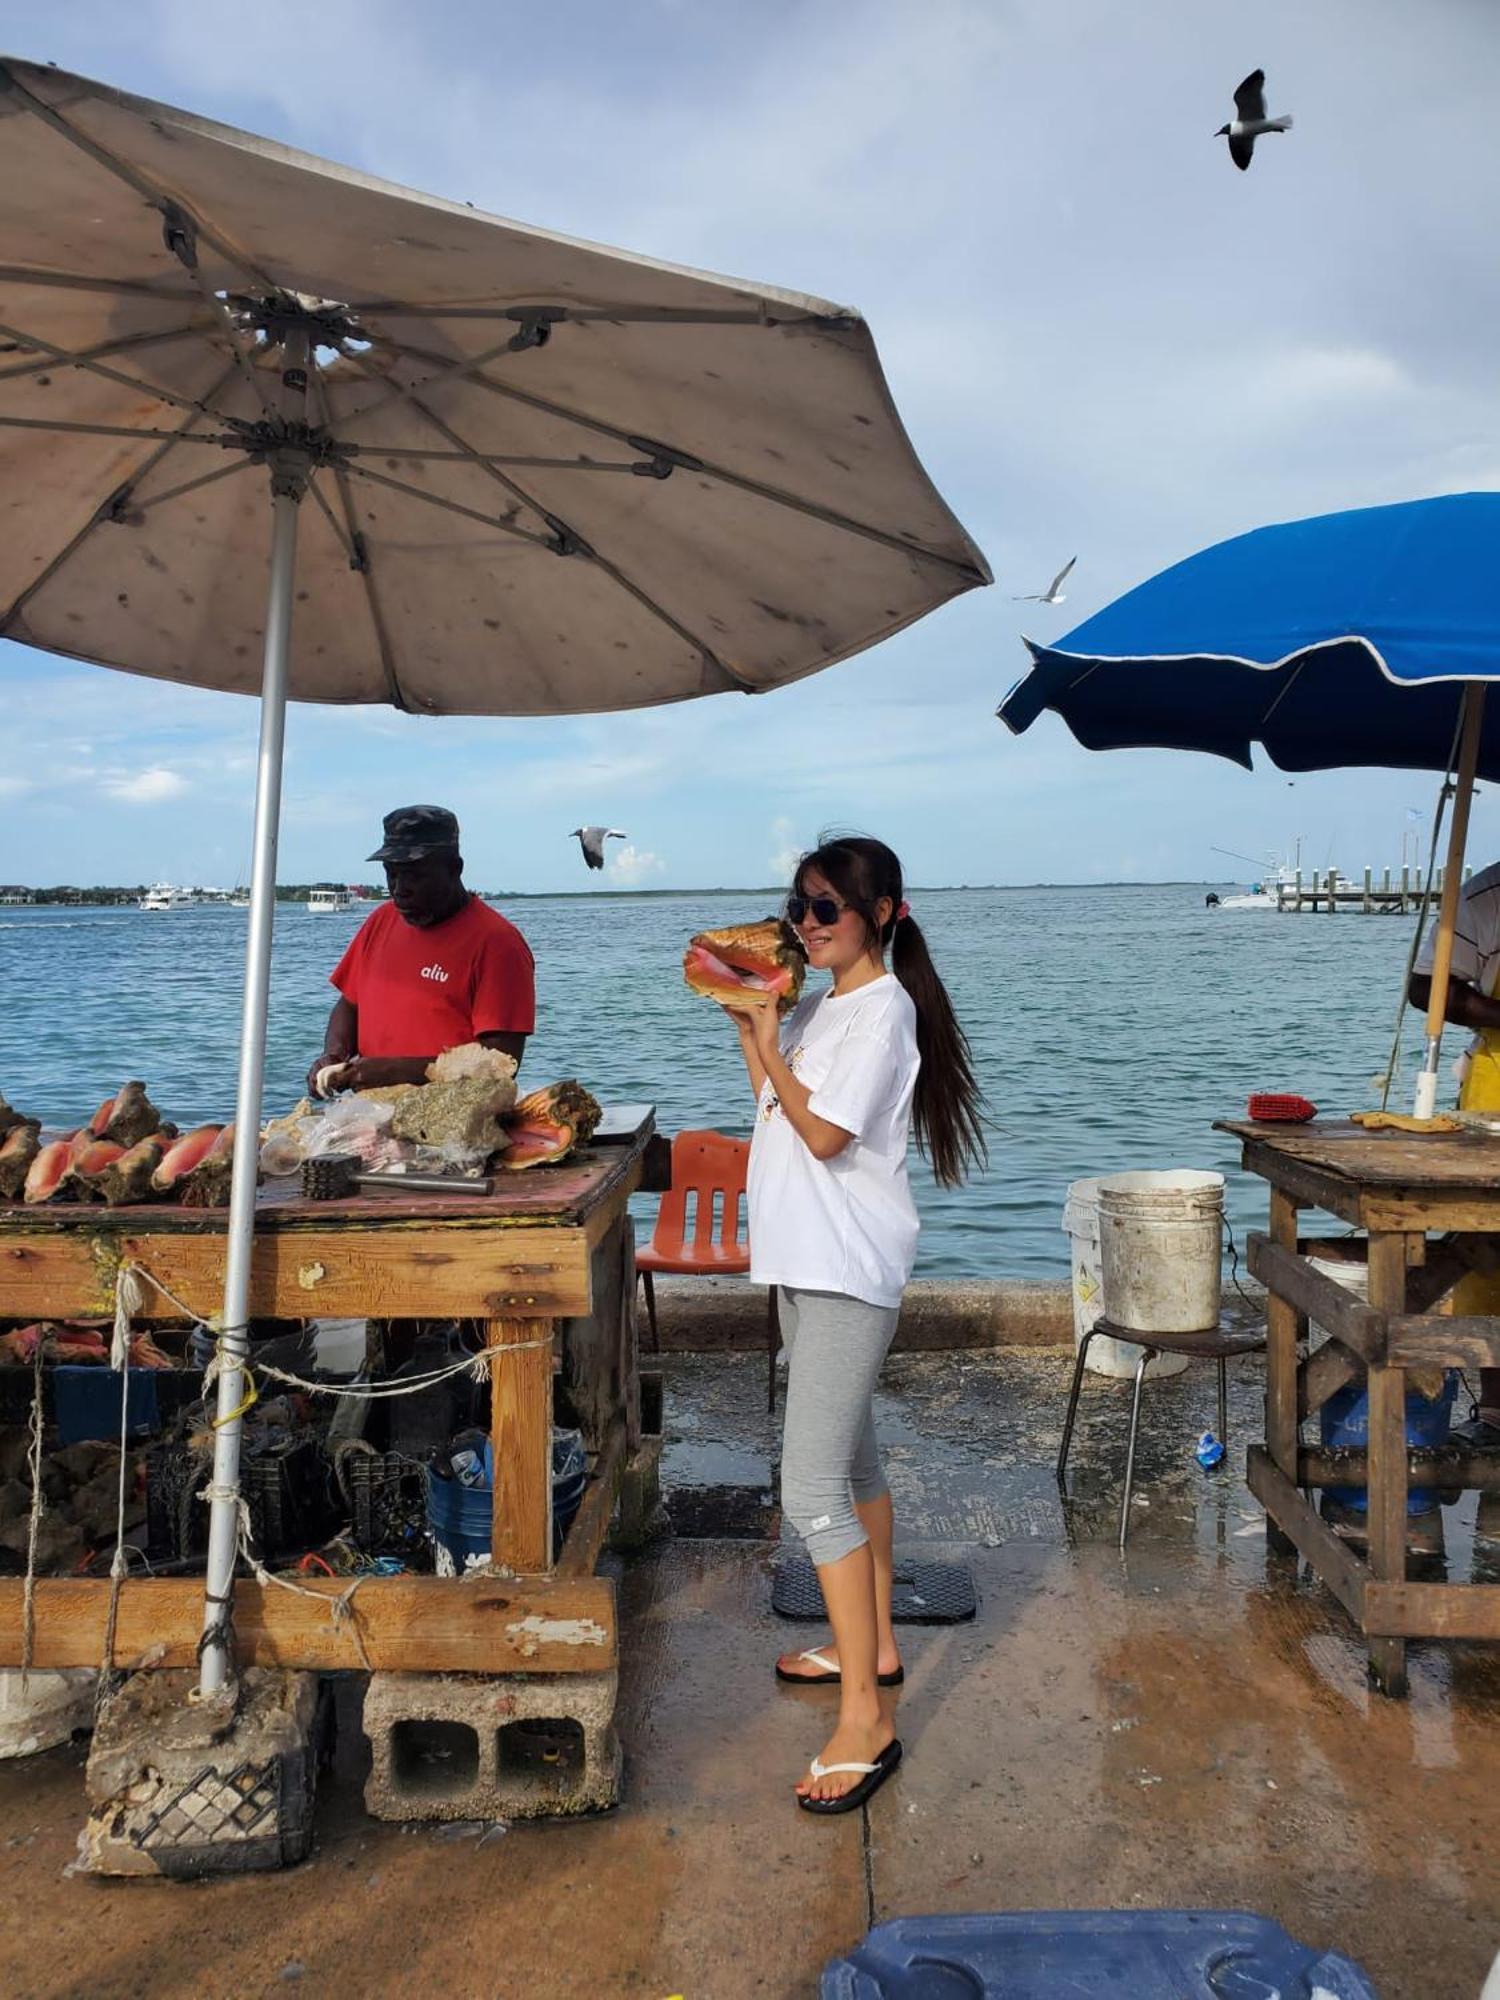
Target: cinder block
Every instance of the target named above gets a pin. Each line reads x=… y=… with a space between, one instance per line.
x=491 y=1746
x=41 y=1709
x=184 y=1788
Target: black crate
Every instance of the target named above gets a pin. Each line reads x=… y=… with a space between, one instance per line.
x=285 y=1485
x=387 y=1504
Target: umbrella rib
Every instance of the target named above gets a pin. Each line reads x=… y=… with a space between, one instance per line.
x=64 y=429
x=192 y=485
x=65 y=358
x=580 y=315
x=74 y=281
x=236 y=347
x=393 y=389
x=110 y=508
x=129 y=340
x=710 y=658
x=358 y=553
x=564 y=542
x=812 y=508
x=1281 y=694
x=140 y=183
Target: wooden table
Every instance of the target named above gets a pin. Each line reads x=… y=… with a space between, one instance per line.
x=546 y=1261
x=1430 y=1204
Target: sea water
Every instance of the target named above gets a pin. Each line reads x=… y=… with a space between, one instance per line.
x=1109 y=1026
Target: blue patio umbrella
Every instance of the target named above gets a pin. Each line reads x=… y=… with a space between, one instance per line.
x=1365 y=637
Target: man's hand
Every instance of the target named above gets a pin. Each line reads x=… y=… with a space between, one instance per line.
x=328 y=1075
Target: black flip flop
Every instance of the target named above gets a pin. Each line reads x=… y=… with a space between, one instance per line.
x=830 y=1676
x=874 y=1777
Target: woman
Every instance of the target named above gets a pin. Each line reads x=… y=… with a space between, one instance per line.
x=839 y=1085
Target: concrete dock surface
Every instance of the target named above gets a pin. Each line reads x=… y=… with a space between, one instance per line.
x=1189 y=1726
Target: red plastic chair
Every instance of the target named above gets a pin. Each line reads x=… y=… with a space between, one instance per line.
x=709 y=1168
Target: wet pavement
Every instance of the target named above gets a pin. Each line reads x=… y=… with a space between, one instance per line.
x=1187 y=1726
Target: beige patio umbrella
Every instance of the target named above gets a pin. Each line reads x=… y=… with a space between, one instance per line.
x=508 y=473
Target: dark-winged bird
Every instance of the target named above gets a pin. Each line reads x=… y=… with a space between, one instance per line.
x=1250 y=120
x=592 y=838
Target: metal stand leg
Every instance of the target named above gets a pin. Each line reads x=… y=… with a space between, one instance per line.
x=1148 y=1354
x=1073 y=1393
x=1223 y=1404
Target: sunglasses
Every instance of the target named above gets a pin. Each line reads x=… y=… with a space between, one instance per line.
x=823 y=909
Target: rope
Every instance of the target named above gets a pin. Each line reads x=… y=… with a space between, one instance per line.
x=38 y=1508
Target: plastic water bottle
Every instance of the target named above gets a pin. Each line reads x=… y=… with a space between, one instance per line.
x=1209 y=1451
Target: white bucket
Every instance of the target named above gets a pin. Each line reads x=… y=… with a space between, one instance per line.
x=1106 y=1356
x=1161 y=1249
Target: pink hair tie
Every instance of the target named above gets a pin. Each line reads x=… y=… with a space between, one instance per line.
x=902 y=910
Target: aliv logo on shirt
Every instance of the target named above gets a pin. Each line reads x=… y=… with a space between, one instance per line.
x=435 y=971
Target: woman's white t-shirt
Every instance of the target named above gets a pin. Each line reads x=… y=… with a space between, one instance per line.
x=847 y=1224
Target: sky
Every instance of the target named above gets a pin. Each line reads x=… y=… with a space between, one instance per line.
x=1102 y=339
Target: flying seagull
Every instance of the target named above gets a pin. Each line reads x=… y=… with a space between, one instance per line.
x=1250 y=120
x=1053 y=594
x=592 y=838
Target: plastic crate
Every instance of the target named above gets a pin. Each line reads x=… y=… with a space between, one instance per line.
x=1091 y=1955
x=285 y=1485
x=387 y=1505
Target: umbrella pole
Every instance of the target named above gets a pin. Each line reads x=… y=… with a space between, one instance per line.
x=1442 y=957
x=289 y=473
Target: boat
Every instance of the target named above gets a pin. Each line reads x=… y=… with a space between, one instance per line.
x=328 y=902
x=1276 y=886
x=166 y=896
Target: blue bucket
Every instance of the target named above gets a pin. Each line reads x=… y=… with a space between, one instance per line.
x=1345 y=1420
x=460 y=1516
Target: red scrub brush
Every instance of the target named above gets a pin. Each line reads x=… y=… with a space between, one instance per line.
x=1280 y=1107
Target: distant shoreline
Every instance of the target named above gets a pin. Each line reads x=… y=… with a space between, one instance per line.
x=105 y=897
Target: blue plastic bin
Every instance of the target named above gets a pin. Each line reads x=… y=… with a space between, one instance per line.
x=1345 y=1420
x=86 y=1402
x=460 y=1516
x=1091 y=1955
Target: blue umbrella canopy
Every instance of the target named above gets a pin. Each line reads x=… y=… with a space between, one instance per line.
x=1344 y=639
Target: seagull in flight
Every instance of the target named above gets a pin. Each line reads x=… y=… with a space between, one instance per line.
x=1053 y=594
x=592 y=838
x=1250 y=119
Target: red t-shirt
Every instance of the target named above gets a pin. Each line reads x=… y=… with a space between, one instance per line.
x=419 y=992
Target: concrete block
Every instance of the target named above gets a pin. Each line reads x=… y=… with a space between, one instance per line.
x=44 y=1711
x=491 y=1746
x=184 y=1788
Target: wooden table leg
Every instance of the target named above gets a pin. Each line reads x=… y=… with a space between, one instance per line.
x=1387 y=1468
x=1284 y=1325
x=521 y=1439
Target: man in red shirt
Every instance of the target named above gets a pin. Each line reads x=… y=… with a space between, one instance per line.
x=430 y=969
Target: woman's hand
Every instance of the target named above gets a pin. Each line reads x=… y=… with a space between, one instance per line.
x=765 y=1028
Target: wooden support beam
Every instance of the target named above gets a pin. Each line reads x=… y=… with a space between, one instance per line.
x=1426 y=1466
x=1284 y=1327
x=409 y=1624
x=391 y=1270
x=521 y=1443
x=1385 y=1385
x=1433 y=1610
x=586 y=1536
x=1289 y=1278
x=1309 y=1184
x=1417 y=1339
x=1340 y=1570
x=1323 y=1374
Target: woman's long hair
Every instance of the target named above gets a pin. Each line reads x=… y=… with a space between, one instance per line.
x=947 y=1109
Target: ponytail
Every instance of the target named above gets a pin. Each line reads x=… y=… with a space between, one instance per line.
x=947 y=1108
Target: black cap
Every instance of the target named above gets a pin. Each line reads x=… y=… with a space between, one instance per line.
x=414 y=832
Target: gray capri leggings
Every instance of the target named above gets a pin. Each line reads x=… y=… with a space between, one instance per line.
x=829 y=1459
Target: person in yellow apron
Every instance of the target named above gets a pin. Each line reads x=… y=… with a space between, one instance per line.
x=1473 y=1003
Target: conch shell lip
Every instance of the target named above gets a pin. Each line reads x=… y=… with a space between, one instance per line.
x=766 y=958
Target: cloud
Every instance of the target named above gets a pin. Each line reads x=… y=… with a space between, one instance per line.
x=148 y=788
x=787 y=851
x=630 y=865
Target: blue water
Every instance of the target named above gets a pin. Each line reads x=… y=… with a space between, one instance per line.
x=1110 y=1027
